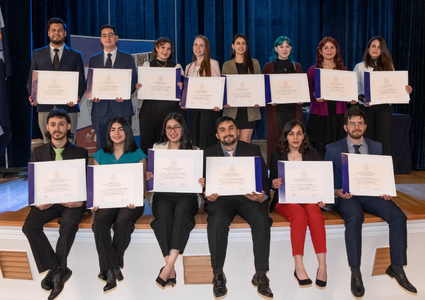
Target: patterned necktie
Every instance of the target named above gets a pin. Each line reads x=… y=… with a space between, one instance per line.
x=56 y=60
x=356 y=149
x=59 y=153
x=108 y=61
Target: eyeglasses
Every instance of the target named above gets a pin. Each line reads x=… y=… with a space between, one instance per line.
x=356 y=124
x=111 y=35
x=176 y=128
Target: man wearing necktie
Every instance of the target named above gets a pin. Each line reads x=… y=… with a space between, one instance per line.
x=352 y=208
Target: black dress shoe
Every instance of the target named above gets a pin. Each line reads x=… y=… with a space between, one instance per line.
x=161 y=282
x=401 y=279
x=47 y=282
x=357 y=287
x=59 y=277
x=111 y=280
x=172 y=281
x=261 y=282
x=102 y=276
x=304 y=282
x=219 y=285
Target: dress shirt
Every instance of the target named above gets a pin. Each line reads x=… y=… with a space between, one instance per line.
x=114 y=55
x=52 y=52
x=226 y=153
x=363 y=147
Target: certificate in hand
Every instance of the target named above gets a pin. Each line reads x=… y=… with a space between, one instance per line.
x=245 y=90
x=159 y=83
x=306 y=182
x=335 y=85
x=56 y=181
x=287 y=88
x=108 y=84
x=117 y=185
x=203 y=92
x=54 y=87
x=368 y=175
x=230 y=176
x=386 y=87
x=176 y=171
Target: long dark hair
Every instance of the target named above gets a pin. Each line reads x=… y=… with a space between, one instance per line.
x=205 y=69
x=185 y=141
x=129 y=144
x=283 y=145
x=384 y=62
x=339 y=63
x=247 y=60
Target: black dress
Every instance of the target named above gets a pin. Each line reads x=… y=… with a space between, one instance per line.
x=242 y=115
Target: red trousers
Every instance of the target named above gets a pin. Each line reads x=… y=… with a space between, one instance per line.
x=301 y=215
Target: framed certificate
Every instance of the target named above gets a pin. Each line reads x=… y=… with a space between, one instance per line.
x=54 y=87
x=57 y=181
x=386 y=87
x=159 y=83
x=245 y=90
x=306 y=182
x=335 y=85
x=203 y=92
x=230 y=176
x=287 y=88
x=176 y=171
x=115 y=185
x=108 y=83
x=368 y=175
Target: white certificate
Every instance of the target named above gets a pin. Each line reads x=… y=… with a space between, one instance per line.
x=245 y=90
x=306 y=182
x=203 y=92
x=335 y=85
x=288 y=88
x=229 y=176
x=115 y=185
x=159 y=83
x=386 y=87
x=108 y=83
x=176 y=171
x=54 y=87
x=56 y=181
x=368 y=175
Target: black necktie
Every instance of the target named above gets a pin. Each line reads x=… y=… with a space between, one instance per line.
x=356 y=149
x=109 y=61
x=56 y=60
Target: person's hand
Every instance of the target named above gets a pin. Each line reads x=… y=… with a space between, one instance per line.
x=367 y=104
x=353 y=102
x=32 y=103
x=138 y=86
x=255 y=196
x=227 y=106
x=95 y=208
x=409 y=89
x=256 y=106
x=320 y=100
x=300 y=103
x=119 y=100
x=386 y=197
x=148 y=176
x=43 y=206
x=202 y=182
x=71 y=103
x=180 y=84
x=340 y=194
x=216 y=108
x=276 y=183
x=274 y=104
x=131 y=206
x=320 y=204
x=95 y=100
x=212 y=197
x=72 y=204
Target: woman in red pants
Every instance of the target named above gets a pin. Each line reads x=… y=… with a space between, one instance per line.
x=294 y=146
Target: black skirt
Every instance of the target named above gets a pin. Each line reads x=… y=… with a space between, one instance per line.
x=242 y=119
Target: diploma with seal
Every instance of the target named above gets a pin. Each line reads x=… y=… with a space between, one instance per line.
x=335 y=85
x=386 y=87
x=159 y=83
x=287 y=88
x=245 y=90
x=230 y=176
x=54 y=87
x=306 y=182
x=116 y=185
x=203 y=92
x=56 y=181
x=176 y=171
x=368 y=175
x=108 y=84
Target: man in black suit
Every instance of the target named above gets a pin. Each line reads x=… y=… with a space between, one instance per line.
x=57 y=57
x=252 y=207
x=69 y=213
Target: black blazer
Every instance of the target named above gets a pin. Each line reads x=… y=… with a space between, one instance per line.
x=71 y=151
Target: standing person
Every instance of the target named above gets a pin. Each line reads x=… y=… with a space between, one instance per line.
x=294 y=146
x=120 y=149
x=174 y=212
x=104 y=110
x=69 y=214
x=57 y=56
x=281 y=62
x=242 y=63
x=153 y=112
x=202 y=121
x=379 y=116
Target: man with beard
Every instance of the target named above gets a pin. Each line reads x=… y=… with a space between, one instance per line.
x=252 y=207
x=69 y=213
x=57 y=57
x=352 y=208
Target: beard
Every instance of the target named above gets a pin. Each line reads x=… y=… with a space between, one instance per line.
x=59 y=137
x=226 y=143
x=57 y=42
x=357 y=134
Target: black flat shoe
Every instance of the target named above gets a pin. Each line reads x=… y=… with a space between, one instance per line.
x=160 y=281
x=261 y=282
x=219 y=285
x=357 y=287
x=102 y=276
x=401 y=279
x=111 y=280
x=320 y=283
x=304 y=282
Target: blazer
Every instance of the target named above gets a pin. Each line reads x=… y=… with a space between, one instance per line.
x=215 y=69
x=71 y=60
x=229 y=67
x=122 y=61
x=71 y=151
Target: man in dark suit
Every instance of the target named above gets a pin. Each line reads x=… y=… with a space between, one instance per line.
x=352 y=208
x=69 y=213
x=57 y=57
x=252 y=207
x=103 y=110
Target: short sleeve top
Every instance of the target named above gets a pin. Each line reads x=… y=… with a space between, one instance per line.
x=104 y=158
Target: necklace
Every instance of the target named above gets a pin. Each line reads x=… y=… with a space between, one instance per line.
x=293 y=156
x=159 y=64
x=118 y=150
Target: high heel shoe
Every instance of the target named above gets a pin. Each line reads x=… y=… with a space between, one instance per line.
x=304 y=282
x=320 y=283
x=159 y=280
x=172 y=281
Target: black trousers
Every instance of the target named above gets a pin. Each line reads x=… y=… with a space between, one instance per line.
x=221 y=214
x=44 y=255
x=174 y=219
x=111 y=252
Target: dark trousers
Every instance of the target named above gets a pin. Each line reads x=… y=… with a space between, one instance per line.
x=101 y=125
x=352 y=211
x=44 y=255
x=221 y=214
x=202 y=127
x=111 y=251
x=174 y=219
